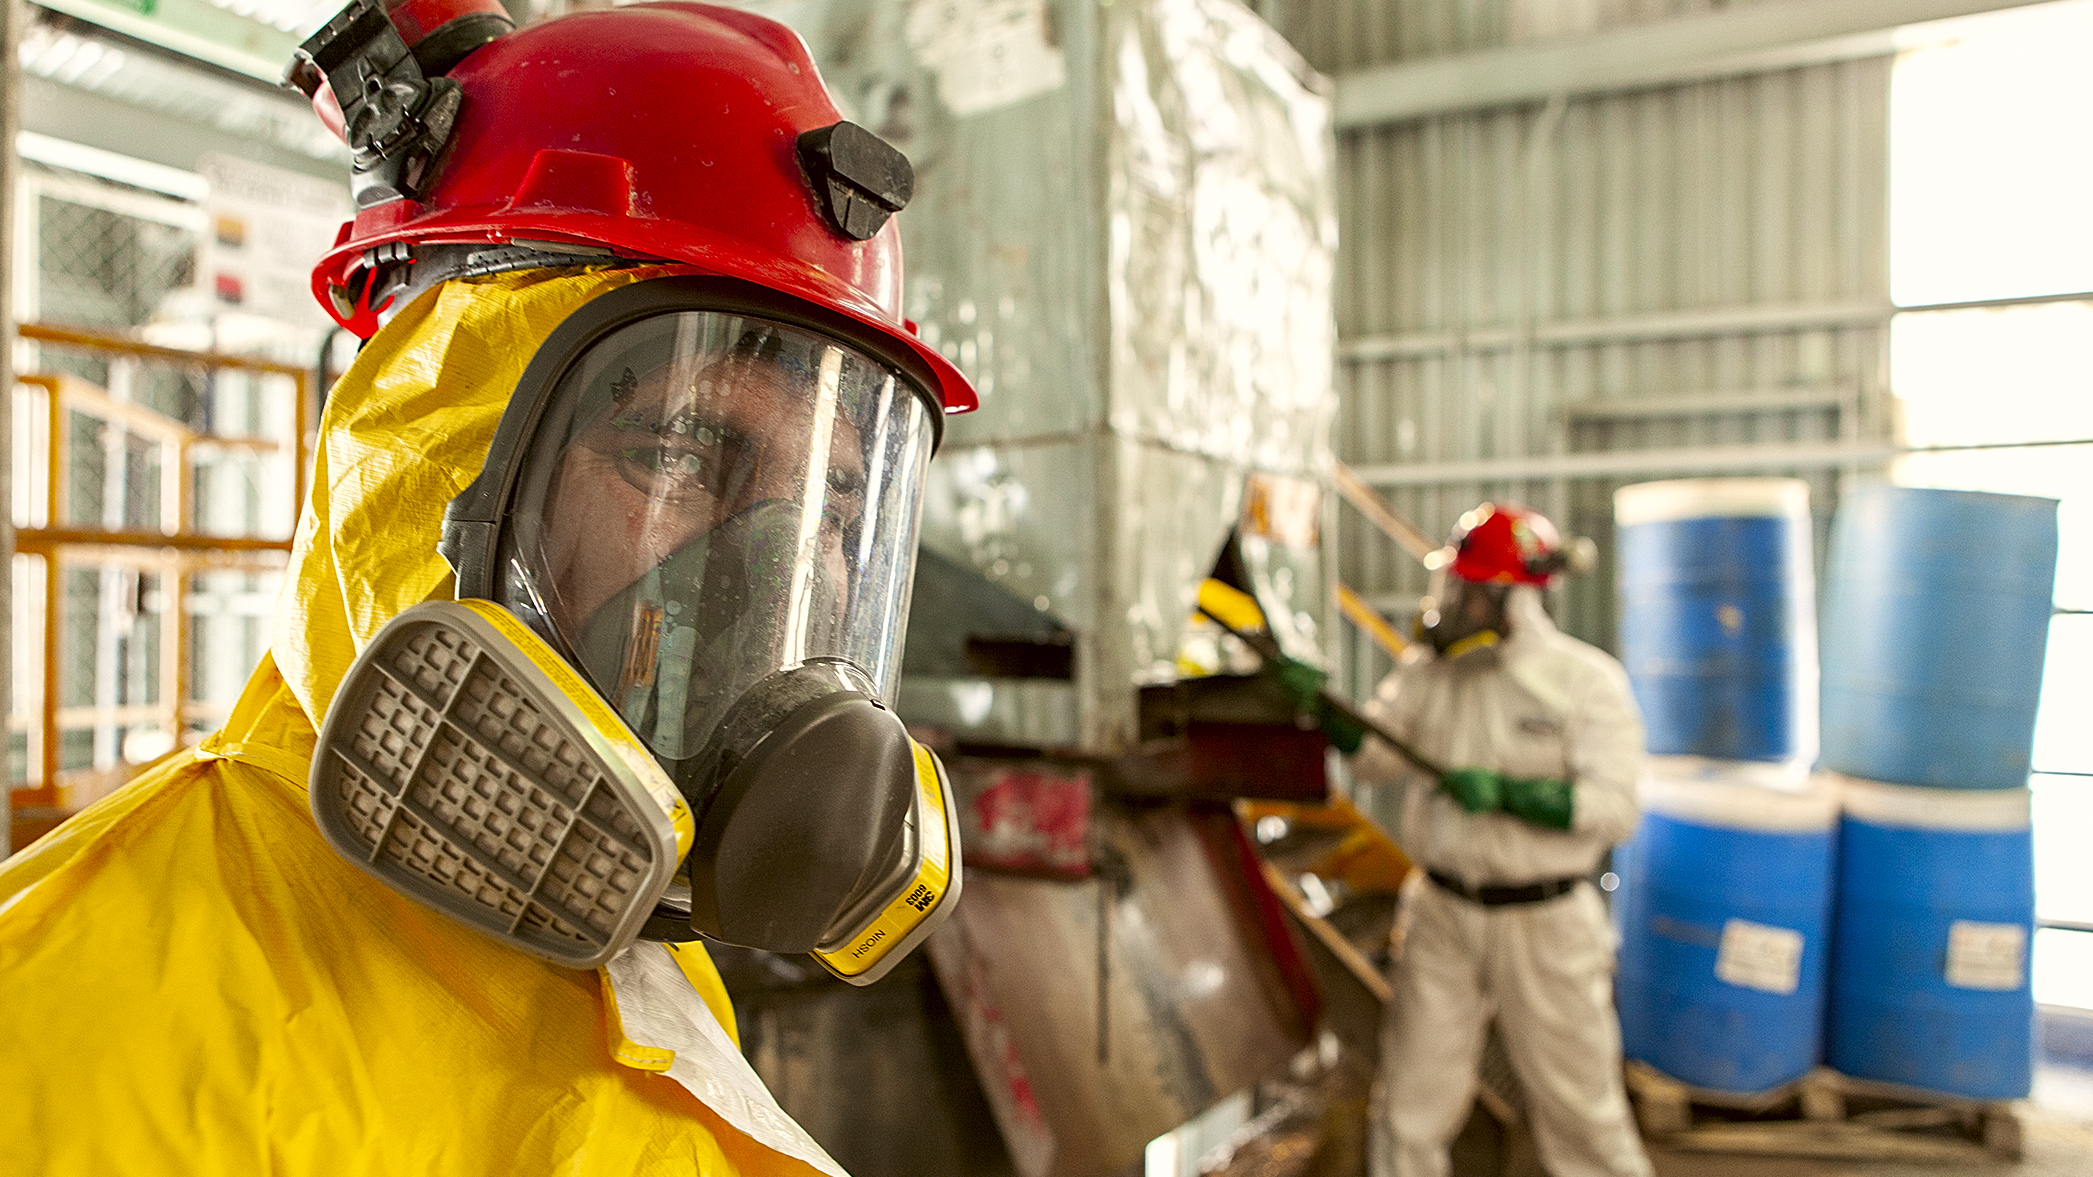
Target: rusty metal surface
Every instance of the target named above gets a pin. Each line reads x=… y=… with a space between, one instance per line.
x=878 y=1075
x=1219 y=737
x=1218 y=761
x=1193 y=1008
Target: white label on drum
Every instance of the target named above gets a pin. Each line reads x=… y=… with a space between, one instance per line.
x=1758 y=956
x=1987 y=956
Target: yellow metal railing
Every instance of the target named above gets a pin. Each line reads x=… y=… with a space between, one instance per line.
x=1389 y=522
x=176 y=551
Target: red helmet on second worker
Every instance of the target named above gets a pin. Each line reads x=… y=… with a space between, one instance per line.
x=1505 y=543
x=670 y=131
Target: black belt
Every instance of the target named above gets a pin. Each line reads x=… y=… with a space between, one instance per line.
x=1506 y=896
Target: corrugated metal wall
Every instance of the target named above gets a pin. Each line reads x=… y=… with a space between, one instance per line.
x=1693 y=266
x=1338 y=35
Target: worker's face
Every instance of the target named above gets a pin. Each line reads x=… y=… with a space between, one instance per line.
x=720 y=497
x=678 y=454
x=1460 y=609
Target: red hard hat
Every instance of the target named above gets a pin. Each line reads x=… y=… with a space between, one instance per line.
x=1505 y=543
x=670 y=131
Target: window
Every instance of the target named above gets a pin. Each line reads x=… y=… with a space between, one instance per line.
x=1989 y=167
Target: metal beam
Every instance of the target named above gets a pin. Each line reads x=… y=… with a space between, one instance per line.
x=44 y=539
x=1378 y=512
x=194 y=28
x=1689 y=324
x=1700 y=323
x=1726 y=459
x=124 y=169
x=121 y=126
x=11 y=18
x=1731 y=459
x=1758 y=38
x=92 y=339
x=1772 y=400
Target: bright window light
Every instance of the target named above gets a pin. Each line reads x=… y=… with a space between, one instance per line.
x=2063 y=814
x=2061 y=743
x=2018 y=373
x=1989 y=160
x=1990 y=377
x=2062 y=970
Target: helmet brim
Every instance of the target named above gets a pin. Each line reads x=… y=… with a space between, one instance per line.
x=636 y=239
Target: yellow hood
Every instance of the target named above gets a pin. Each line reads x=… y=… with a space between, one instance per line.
x=196 y=982
x=405 y=430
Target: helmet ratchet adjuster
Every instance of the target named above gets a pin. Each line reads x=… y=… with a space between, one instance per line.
x=396 y=118
x=383 y=274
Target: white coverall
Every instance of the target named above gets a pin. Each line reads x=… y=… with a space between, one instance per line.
x=1539 y=704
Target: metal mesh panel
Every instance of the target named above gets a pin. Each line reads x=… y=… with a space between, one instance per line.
x=141 y=502
x=76 y=749
x=113 y=680
x=112 y=477
x=182 y=393
x=78 y=630
x=225 y=491
x=456 y=778
x=87 y=469
x=229 y=616
x=99 y=268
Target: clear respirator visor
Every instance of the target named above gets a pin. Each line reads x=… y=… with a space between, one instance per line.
x=709 y=499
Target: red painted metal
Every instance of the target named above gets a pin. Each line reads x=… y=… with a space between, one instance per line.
x=1027 y=818
x=418 y=18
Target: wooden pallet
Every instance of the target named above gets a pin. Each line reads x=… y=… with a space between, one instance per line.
x=1824 y=1114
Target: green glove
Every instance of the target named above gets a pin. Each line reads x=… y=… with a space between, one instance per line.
x=1545 y=803
x=1477 y=790
x=1344 y=733
x=1303 y=685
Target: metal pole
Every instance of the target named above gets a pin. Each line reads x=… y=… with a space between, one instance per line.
x=10 y=120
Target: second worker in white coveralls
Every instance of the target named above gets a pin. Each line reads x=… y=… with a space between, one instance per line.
x=1541 y=743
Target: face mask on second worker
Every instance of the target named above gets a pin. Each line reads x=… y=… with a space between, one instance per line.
x=1462 y=615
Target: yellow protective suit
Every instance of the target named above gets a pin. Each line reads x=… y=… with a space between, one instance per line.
x=192 y=981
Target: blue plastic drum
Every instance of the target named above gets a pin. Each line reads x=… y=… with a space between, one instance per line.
x=1936 y=618
x=1718 y=616
x=1724 y=912
x=1935 y=911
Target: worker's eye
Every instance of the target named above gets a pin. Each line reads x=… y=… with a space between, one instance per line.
x=843 y=500
x=680 y=460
